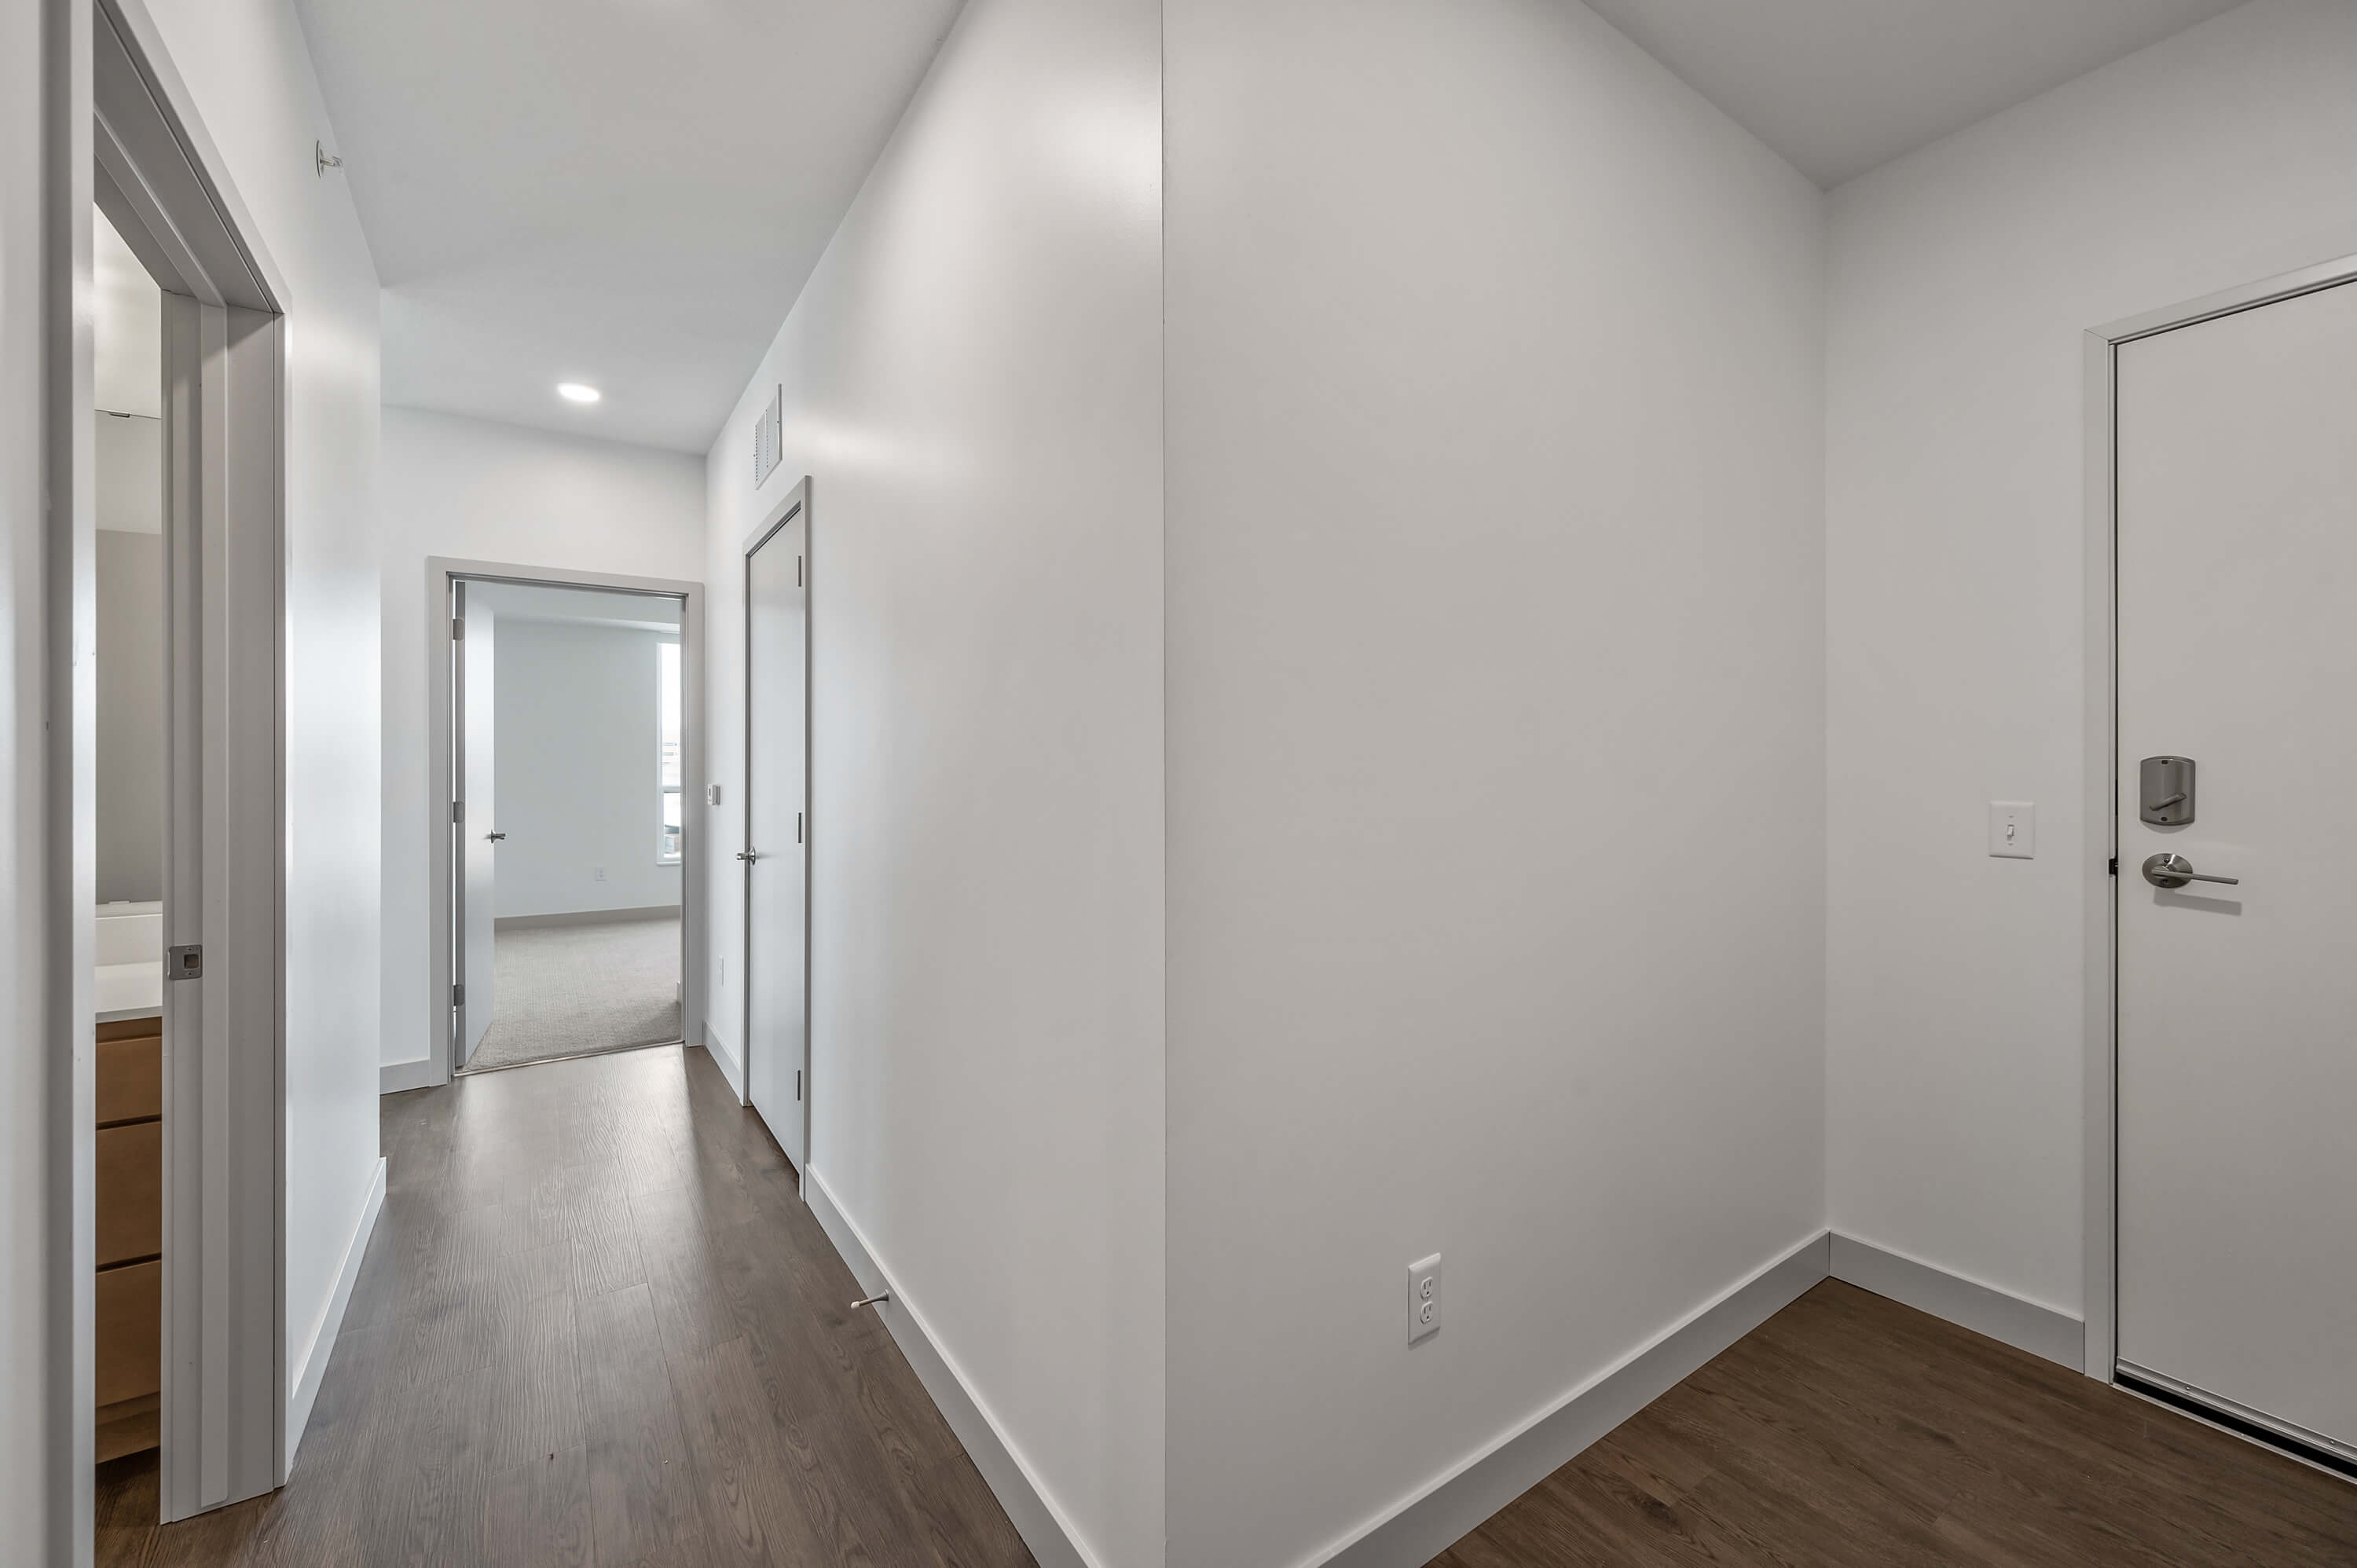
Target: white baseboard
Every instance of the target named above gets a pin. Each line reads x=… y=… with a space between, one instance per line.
x=730 y=1067
x=1044 y=1527
x=418 y=1072
x=1427 y=1523
x=583 y=917
x=312 y=1365
x=1968 y=1303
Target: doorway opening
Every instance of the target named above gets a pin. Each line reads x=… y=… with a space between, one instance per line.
x=132 y=692
x=571 y=739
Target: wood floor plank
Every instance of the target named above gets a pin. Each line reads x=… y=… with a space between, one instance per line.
x=535 y=1383
x=507 y=1384
x=1851 y=1431
x=537 y=1514
x=642 y=1504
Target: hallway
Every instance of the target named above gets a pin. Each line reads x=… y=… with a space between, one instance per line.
x=595 y=1326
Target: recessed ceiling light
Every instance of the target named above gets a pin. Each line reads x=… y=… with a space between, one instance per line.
x=573 y=392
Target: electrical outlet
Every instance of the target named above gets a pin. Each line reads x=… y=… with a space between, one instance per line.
x=596 y=874
x=2013 y=829
x=1424 y=1298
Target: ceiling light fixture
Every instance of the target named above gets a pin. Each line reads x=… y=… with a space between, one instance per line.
x=573 y=392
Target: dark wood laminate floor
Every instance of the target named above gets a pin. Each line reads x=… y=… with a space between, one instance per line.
x=595 y=1326
x=1849 y=1430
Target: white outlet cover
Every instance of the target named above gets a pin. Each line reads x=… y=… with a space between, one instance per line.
x=2013 y=829
x=1424 y=1298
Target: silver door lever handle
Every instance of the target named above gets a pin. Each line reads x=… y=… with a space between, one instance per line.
x=747 y=854
x=2175 y=871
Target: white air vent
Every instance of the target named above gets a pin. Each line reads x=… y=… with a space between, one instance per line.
x=768 y=436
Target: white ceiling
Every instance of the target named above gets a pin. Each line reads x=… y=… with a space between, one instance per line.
x=629 y=193
x=1841 y=86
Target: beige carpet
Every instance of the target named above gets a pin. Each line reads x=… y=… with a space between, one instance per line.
x=575 y=991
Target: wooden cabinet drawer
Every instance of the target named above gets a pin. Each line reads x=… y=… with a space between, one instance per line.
x=130 y=1332
x=130 y=1075
x=130 y=1192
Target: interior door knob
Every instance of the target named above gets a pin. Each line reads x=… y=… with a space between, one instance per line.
x=747 y=855
x=2175 y=871
x=495 y=837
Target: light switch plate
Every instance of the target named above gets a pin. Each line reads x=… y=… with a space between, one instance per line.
x=2013 y=829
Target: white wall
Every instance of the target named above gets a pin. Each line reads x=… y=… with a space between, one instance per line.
x=1496 y=735
x=1963 y=278
x=481 y=491
x=246 y=67
x=573 y=754
x=131 y=718
x=973 y=379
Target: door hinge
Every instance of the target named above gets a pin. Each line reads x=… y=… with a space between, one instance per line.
x=2116 y=865
x=184 y=962
x=457 y=628
x=797 y=571
x=798 y=827
x=457 y=810
x=458 y=996
x=797 y=1083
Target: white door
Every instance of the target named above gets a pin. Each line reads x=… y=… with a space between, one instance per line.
x=2238 y=472
x=477 y=970
x=775 y=707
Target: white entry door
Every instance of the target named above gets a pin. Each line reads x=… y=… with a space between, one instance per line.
x=476 y=971
x=776 y=708
x=2237 y=605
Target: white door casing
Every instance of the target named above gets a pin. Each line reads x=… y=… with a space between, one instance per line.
x=478 y=951
x=2236 y=509
x=777 y=600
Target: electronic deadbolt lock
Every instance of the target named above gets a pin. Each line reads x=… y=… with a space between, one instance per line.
x=2165 y=791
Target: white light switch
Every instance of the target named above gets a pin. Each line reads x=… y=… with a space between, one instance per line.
x=2013 y=829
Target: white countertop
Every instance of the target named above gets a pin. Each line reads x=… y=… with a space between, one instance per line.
x=130 y=991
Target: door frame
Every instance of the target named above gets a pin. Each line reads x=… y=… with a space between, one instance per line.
x=441 y=573
x=794 y=503
x=134 y=144
x=2100 y=933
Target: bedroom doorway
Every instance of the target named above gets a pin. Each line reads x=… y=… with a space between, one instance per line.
x=571 y=757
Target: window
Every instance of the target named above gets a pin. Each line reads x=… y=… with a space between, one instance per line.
x=667 y=760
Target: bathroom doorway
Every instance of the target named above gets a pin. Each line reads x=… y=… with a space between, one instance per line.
x=127 y=445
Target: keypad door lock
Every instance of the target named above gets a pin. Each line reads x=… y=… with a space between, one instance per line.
x=2165 y=791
